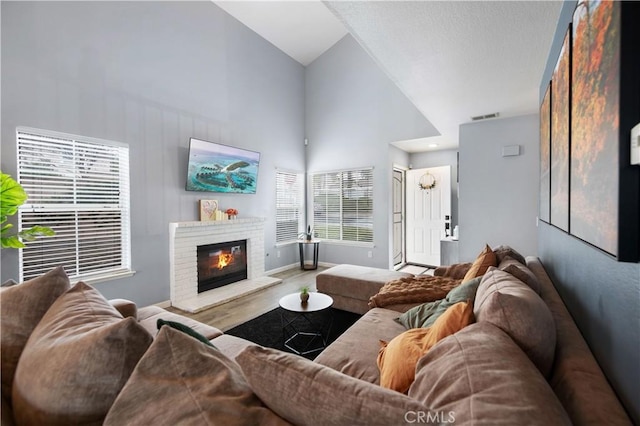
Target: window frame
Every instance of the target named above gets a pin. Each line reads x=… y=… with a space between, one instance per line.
x=296 y=204
x=101 y=200
x=341 y=211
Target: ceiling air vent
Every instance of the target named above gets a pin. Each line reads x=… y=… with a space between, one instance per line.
x=484 y=117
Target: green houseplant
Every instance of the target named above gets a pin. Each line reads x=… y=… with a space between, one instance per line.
x=304 y=294
x=12 y=196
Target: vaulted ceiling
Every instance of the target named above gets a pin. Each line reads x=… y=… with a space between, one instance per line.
x=453 y=59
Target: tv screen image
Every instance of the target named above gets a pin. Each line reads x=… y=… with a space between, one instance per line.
x=215 y=167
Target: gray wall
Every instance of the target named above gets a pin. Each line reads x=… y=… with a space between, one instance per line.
x=153 y=74
x=447 y=157
x=498 y=195
x=353 y=111
x=602 y=295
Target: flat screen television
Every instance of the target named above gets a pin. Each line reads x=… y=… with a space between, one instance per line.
x=214 y=167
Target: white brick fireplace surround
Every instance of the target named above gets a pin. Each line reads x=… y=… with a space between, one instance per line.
x=184 y=239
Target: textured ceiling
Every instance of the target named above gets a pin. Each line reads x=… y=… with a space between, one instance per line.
x=457 y=59
x=452 y=59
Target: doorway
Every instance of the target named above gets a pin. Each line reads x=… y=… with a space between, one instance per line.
x=398 y=197
x=428 y=210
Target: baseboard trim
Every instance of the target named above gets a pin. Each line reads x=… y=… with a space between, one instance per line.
x=281 y=269
x=327 y=264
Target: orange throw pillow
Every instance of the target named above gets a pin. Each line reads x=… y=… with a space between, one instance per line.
x=397 y=359
x=485 y=259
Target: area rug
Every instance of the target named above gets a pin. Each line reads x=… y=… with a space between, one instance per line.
x=266 y=330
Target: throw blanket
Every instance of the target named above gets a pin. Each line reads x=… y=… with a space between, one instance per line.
x=419 y=289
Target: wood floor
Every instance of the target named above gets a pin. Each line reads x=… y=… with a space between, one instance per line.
x=245 y=308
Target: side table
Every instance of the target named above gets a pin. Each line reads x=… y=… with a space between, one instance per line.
x=308 y=266
x=298 y=321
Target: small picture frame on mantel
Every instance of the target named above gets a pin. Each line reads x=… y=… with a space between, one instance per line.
x=208 y=210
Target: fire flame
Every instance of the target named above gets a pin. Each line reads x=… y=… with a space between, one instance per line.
x=224 y=260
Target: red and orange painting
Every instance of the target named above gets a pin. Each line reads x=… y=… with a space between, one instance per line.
x=560 y=92
x=595 y=123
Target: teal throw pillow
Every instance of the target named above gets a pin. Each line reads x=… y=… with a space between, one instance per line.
x=426 y=314
x=185 y=329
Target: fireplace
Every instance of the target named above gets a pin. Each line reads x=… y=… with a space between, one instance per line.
x=186 y=237
x=220 y=264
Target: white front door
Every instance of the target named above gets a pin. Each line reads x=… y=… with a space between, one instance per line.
x=426 y=212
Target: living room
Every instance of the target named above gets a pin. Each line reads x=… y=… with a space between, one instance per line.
x=154 y=74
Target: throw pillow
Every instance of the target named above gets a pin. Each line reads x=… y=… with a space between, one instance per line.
x=307 y=393
x=426 y=314
x=480 y=376
x=76 y=361
x=521 y=272
x=180 y=381
x=397 y=360
x=512 y=306
x=504 y=251
x=185 y=329
x=21 y=309
x=485 y=259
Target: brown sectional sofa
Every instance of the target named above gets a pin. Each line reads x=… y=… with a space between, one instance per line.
x=484 y=373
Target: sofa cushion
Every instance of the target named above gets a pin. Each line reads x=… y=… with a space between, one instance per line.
x=127 y=308
x=21 y=309
x=397 y=360
x=307 y=393
x=521 y=272
x=503 y=251
x=358 y=282
x=485 y=259
x=480 y=376
x=149 y=316
x=365 y=335
x=426 y=314
x=511 y=305
x=89 y=352
x=184 y=329
x=179 y=380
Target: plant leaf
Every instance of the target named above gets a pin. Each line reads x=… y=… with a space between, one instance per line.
x=11 y=242
x=35 y=232
x=12 y=196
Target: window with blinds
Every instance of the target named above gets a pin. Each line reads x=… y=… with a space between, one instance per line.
x=289 y=206
x=79 y=187
x=343 y=205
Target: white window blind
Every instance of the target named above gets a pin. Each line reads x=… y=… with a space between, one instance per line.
x=79 y=187
x=343 y=205
x=289 y=206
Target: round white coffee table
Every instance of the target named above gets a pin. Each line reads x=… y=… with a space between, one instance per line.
x=299 y=322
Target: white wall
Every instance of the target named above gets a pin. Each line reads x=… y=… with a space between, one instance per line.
x=498 y=195
x=153 y=74
x=353 y=111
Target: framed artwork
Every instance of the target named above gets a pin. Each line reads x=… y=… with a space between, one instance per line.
x=595 y=118
x=208 y=210
x=560 y=97
x=545 y=156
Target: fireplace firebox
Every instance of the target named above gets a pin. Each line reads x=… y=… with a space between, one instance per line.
x=221 y=264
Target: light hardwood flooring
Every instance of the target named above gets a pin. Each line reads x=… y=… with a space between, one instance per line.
x=243 y=309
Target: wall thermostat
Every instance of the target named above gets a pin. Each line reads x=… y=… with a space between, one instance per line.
x=635 y=144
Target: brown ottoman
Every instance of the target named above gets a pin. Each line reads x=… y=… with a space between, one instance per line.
x=351 y=286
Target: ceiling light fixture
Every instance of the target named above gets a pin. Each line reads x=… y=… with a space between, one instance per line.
x=433 y=145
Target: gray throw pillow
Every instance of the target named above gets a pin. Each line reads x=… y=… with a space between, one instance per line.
x=426 y=314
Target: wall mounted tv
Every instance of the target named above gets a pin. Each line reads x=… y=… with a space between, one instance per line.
x=215 y=167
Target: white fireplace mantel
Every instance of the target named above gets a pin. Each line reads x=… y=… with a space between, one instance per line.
x=184 y=239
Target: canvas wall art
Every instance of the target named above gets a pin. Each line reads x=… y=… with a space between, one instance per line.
x=595 y=115
x=560 y=91
x=545 y=156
